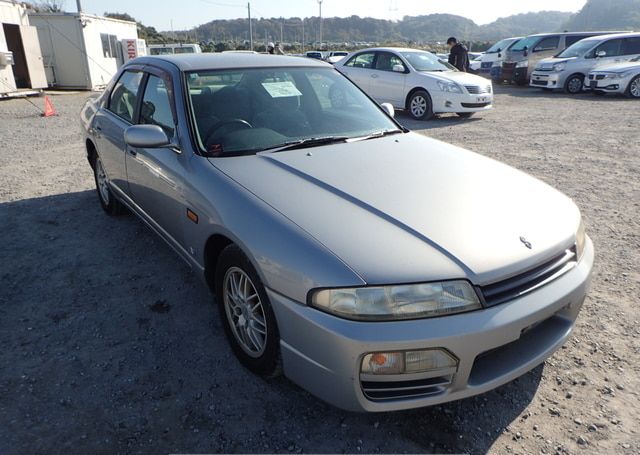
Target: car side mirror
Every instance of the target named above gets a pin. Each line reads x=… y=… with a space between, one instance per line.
x=146 y=137
x=388 y=109
x=499 y=55
x=525 y=51
x=398 y=69
x=601 y=54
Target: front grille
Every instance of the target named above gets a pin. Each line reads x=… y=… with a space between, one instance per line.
x=475 y=104
x=599 y=77
x=395 y=390
x=591 y=76
x=508 y=65
x=530 y=280
x=534 y=82
x=477 y=90
x=486 y=65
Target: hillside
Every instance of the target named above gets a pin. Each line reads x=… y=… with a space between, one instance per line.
x=607 y=15
x=411 y=28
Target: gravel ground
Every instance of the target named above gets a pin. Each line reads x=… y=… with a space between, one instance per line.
x=111 y=345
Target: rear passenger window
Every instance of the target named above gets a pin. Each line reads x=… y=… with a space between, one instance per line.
x=631 y=46
x=547 y=44
x=361 y=60
x=124 y=96
x=156 y=105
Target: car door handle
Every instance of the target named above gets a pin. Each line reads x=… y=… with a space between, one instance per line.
x=375 y=76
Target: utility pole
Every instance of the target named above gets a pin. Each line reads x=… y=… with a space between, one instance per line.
x=303 y=35
x=250 y=27
x=320 y=5
x=281 y=31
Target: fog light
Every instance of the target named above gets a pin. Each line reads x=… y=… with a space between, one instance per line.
x=407 y=362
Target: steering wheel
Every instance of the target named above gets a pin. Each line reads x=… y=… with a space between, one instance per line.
x=239 y=125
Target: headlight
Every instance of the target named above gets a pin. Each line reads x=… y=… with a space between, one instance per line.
x=622 y=75
x=408 y=301
x=581 y=239
x=557 y=67
x=449 y=87
x=522 y=64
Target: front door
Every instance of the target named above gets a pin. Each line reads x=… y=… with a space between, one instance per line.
x=155 y=175
x=387 y=84
x=359 y=69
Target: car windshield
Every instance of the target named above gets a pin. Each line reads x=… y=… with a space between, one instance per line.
x=245 y=111
x=426 y=61
x=527 y=42
x=499 y=46
x=577 y=49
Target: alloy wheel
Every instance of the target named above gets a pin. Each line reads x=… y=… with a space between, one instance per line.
x=634 y=88
x=245 y=312
x=103 y=186
x=574 y=85
x=418 y=106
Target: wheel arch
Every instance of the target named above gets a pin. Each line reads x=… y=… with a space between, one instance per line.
x=212 y=249
x=92 y=152
x=414 y=90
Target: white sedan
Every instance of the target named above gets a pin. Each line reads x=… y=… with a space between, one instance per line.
x=416 y=81
x=617 y=78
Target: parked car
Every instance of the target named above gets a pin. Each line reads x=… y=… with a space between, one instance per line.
x=379 y=268
x=617 y=78
x=569 y=69
x=416 y=81
x=315 y=55
x=474 y=65
x=494 y=54
x=335 y=56
x=177 y=48
x=523 y=56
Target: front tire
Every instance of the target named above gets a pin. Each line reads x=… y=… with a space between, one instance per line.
x=246 y=313
x=574 y=84
x=633 y=90
x=108 y=201
x=419 y=105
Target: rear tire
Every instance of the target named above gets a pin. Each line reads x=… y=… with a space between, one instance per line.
x=465 y=114
x=247 y=316
x=574 y=84
x=419 y=105
x=109 y=203
x=633 y=90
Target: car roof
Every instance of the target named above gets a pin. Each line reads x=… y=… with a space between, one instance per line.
x=589 y=34
x=211 y=61
x=391 y=49
x=611 y=35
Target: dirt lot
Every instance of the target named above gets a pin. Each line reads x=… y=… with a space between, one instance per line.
x=110 y=345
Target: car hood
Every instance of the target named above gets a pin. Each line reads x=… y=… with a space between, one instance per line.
x=457 y=76
x=547 y=63
x=619 y=67
x=407 y=208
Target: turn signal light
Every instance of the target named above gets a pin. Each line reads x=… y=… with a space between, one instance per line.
x=407 y=362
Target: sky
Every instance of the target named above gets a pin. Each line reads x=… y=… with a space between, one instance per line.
x=163 y=15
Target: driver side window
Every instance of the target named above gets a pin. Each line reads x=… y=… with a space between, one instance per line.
x=156 y=105
x=547 y=44
x=610 y=48
x=386 y=61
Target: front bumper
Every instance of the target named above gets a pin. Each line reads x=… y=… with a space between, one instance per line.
x=323 y=353
x=546 y=79
x=606 y=83
x=461 y=102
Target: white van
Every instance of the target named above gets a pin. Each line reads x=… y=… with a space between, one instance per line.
x=168 y=49
x=495 y=54
x=569 y=69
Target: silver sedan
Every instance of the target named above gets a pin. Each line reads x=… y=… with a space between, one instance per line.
x=377 y=268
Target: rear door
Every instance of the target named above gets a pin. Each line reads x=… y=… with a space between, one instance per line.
x=110 y=122
x=155 y=175
x=359 y=69
x=386 y=85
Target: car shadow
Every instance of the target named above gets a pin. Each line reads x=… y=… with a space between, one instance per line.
x=533 y=92
x=438 y=121
x=114 y=345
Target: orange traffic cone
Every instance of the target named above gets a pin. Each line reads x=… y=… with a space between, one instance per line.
x=49 y=110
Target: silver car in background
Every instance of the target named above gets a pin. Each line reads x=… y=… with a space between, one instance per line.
x=377 y=268
x=569 y=69
x=621 y=78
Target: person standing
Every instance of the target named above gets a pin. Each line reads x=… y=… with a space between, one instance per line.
x=458 y=54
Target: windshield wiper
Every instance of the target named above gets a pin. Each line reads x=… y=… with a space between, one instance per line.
x=375 y=135
x=304 y=143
